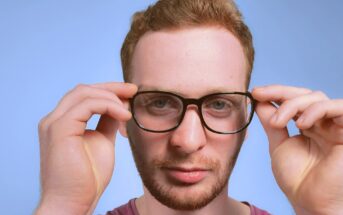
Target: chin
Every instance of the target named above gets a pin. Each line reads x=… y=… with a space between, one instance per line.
x=185 y=197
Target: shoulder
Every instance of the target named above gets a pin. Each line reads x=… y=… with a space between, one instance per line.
x=255 y=210
x=125 y=209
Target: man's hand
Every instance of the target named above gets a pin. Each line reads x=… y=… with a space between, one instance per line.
x=77 y=164
x=308 y=167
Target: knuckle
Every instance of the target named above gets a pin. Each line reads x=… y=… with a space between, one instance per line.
x=320 y=94
x=81 y=90
x=42 y=124
x=53 y=127
x=317 y=106
x=305 y=90
x=81 y=87
x=88 y=101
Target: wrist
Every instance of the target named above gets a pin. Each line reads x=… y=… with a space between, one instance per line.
x=322 y=211
x=65 y=207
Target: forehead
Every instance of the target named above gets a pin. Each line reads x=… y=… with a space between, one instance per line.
x=192 y=61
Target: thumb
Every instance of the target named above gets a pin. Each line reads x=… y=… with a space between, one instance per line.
x=276 y=136
x=108 y=127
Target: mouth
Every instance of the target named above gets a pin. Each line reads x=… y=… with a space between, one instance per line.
x=186 y=175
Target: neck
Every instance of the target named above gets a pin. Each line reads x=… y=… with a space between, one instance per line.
x=221 y=205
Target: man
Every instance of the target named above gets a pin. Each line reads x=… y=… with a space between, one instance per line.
x=185 y=114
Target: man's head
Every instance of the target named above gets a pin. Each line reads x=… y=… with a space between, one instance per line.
x=173 y=15
x=191 y=48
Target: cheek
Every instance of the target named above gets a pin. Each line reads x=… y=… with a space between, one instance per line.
x=150 y=145
x=226 y=146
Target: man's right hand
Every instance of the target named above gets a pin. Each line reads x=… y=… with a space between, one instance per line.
x=77 y=164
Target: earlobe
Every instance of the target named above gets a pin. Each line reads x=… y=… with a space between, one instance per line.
x=122 y=129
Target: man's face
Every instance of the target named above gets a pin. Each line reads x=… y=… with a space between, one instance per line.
x=188 y=167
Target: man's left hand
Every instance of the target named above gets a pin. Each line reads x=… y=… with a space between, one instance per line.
x=308 y=167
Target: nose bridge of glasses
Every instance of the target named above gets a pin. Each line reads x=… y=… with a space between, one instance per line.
x=192 y=102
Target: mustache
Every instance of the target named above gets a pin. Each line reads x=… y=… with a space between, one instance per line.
x=199 y=162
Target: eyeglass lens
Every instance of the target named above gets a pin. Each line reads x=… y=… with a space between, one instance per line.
x=223 y=113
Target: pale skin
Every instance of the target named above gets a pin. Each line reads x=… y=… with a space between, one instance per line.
x=77 y=164
x=201 y=61
x=307 y=167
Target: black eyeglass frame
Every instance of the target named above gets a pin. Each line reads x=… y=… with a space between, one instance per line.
x=198 y=102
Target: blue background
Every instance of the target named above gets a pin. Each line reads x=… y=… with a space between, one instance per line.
x=47 y=47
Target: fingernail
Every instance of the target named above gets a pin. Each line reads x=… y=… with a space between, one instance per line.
x=133 y=86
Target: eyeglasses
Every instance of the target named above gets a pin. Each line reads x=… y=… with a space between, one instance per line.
x=222 y=113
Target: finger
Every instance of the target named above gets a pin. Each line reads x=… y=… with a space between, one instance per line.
x=80 y=92
x=108 y=127
x=77 y=95
x=291 y=109
x=122 y=90
x=79 y=114
x=331 y=109
x=278 y=93
x=84 y=111
x=275 y=135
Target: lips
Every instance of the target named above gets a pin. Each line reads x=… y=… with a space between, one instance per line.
x=186 y=175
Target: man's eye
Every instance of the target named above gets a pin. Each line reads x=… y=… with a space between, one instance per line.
x=219 y=105
x=159 y=103
x=162 y=106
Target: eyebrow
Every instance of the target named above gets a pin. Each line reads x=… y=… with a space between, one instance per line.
x=211 y=91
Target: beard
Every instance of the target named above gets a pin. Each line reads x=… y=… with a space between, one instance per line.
x=178 y=196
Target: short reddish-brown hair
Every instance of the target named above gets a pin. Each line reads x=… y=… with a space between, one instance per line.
x=178 y=14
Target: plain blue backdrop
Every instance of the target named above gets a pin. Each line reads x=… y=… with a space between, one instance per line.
x=47 y=47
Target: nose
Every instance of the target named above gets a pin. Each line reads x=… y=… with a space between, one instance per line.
x=190 y=136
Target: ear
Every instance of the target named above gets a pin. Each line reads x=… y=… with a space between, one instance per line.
x=246 y=131
x=122 y=129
